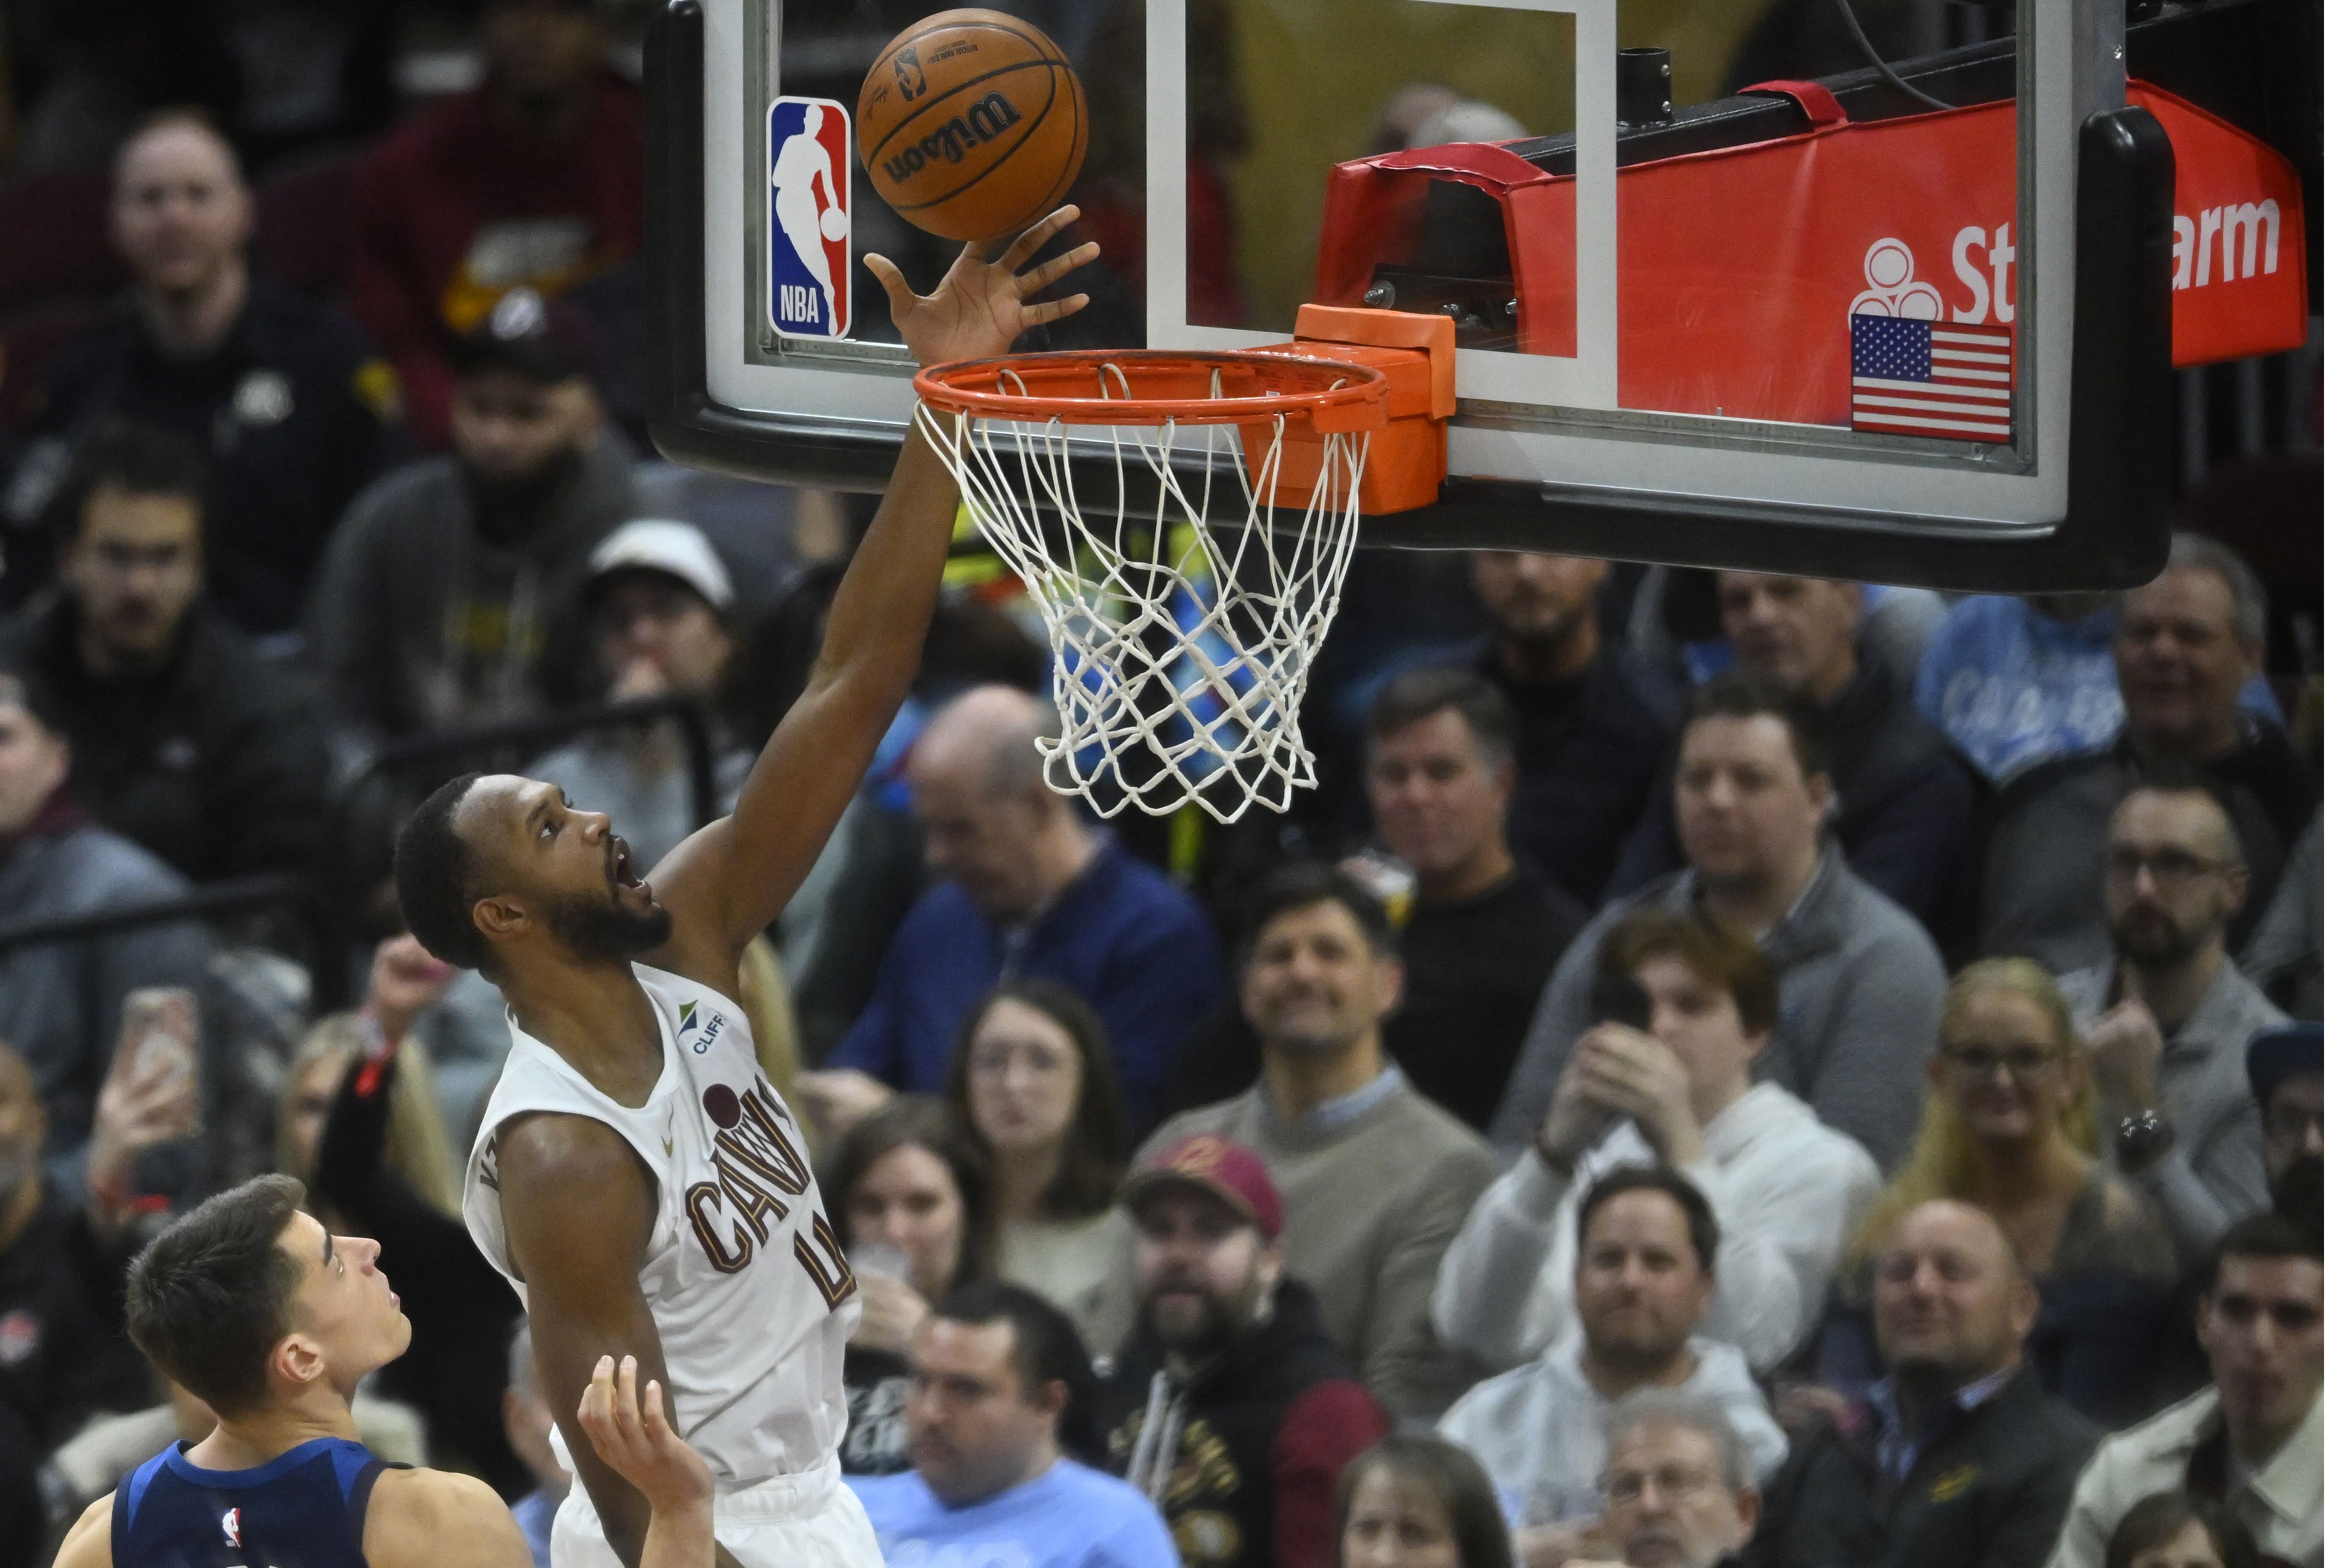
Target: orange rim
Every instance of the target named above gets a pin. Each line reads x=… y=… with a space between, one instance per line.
x=1152 y=386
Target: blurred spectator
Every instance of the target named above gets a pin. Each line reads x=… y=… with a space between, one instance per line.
x=1905 y=804
x=2286 y=956
x=63 y=1001
x=184 y=739
x=2285 y=1066
x=1592 y=736
x=1375 y=1178
x=1229 y=1405
x=2011 y=1126
x=1957 y=1458
x=63 y=1250
x=910 y=1194
x=2015 y=681
x=463 y=1311
x=1033 y=1083
x=449 y=596
x=2166 y=1020
x=2185 y=646
x=290 y=403
x=1666 y=1083
x=1645 y=1250
x=2173 y=1530
x=658 y=602
x=1027 y=889
x=1000 y=1382
x=1678 y=1491
x=82 y=71
x=2252 y=1443
x=530 y=1425
x=1484 y=930
x=1412 y=1502
x=1860 y=982
x=533 y=180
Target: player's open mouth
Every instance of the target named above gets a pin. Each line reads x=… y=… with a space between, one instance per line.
x=619 y=868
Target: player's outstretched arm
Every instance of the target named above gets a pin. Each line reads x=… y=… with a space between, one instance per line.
x=639 y=1446
x=727 y=882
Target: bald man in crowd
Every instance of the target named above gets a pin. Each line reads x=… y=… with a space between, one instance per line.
x=294 y=407
x=1028 y=887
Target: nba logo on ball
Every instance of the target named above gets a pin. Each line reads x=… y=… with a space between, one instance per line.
x=808 y=240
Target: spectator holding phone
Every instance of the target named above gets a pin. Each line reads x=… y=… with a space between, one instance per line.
x=1687 y=1003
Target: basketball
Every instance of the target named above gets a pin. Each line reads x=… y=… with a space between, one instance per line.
x=971 y=124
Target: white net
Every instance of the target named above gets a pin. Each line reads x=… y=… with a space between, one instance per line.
x=1182 y=624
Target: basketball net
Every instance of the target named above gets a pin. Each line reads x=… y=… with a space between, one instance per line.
x=1181 y=646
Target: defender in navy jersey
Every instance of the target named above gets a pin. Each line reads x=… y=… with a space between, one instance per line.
x=251 y=1305
x=636 y=1178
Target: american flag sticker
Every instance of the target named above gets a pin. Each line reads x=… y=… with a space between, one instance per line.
x=1931 y=378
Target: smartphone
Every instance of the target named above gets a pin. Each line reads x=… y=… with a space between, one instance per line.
x=159 y=1027
x=869 y=1260
x=1621 y=999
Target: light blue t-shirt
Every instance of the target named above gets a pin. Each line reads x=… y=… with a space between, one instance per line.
x=1070 y=1517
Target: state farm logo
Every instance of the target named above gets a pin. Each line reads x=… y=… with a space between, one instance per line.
x=2248 y=232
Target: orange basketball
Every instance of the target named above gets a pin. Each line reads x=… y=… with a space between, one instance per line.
x=971 y=124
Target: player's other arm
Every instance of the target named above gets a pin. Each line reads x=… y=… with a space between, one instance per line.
x=578 y=1210
x=728 y=881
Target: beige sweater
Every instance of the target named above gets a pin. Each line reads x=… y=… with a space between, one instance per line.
x=1369 y=1208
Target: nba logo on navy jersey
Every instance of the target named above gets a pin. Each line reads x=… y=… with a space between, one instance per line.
x=231 y=1526
x=808 y=238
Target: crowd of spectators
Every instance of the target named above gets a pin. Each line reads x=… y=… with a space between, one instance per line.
x=1729 y=1068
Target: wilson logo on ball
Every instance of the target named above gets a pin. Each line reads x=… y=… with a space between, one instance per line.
x=989 y=118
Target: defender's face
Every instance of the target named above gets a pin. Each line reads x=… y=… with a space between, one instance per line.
x=345 y=1305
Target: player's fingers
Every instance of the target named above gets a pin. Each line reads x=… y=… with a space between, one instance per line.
x=657 y=1420
x=625 y=1402
x=1018 y=253
x=1052 y=310
x=596 y=1401
x=894 y=282
x=1053 y=268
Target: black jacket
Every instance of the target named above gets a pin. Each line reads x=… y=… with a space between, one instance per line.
x=215 y=764
x=1258 y=1438
x=1990 y=1493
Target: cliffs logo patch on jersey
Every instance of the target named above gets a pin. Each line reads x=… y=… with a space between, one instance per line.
x=808 y=237
x=690 y=1019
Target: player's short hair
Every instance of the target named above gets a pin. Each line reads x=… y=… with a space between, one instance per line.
x=1714 y=949
x=1045 y=1349
x=136 y=458
x=1704 y=1232
x=2249 y=603
x=1302 y=884
x=209 y=1296
x=438 y=878
x=1744 y=694
x=1418 y=693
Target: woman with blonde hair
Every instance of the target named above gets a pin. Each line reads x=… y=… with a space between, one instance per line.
x=2010 y=1124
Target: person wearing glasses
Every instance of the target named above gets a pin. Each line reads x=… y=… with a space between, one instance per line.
x=2165 y=1020
x=1677 y=1492
x=2012 y=1127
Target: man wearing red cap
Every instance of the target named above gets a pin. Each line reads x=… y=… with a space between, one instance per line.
x=1229 y=1405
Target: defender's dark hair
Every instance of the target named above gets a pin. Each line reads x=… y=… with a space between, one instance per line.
x=433 y=867
x=124 y=455
x=1743 y=694
x=2156 y=1518
x=1418 y=693
x=921 y=1119
x=1481 y=1539
x=1045 y=1349
x=1302 y=884
x=1704 y=1232
x=1085 y=1179
x=1713 y=948
x=208 y=1298
x=2269 y=1236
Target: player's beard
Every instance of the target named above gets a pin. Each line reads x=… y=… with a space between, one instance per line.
x=597 y=928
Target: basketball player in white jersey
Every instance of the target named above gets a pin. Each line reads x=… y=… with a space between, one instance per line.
x=636 y=1177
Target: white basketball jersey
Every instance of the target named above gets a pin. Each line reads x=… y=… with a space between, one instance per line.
x=752 y=1292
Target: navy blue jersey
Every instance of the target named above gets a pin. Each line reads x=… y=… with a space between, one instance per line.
x=305 y=1509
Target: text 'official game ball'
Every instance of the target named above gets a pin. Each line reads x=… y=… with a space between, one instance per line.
x=971 y=124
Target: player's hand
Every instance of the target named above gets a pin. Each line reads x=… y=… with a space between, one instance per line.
x=638 y=1443
x=980 y=306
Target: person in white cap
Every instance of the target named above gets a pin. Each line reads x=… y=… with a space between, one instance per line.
x=659 y=605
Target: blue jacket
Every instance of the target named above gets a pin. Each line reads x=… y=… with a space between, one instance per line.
x=1122 y=936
